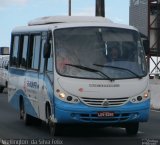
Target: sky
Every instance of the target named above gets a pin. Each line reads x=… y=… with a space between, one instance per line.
x=19 y=12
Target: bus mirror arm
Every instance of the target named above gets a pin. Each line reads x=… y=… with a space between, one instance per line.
x=146 y=46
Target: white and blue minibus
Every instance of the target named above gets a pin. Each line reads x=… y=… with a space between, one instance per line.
x=79 y=70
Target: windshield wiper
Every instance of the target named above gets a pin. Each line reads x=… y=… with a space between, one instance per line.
x=119 y=68
x=90 y=70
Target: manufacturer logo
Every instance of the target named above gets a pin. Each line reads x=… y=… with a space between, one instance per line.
x=105 y=103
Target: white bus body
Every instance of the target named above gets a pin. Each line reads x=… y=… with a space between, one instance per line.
x=61 y=72
x=4 y=58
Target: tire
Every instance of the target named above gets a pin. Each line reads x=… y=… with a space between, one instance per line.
x=51 y=125
x=55 y=129
x=23 y=115
x=132 y=129
x=27 y=119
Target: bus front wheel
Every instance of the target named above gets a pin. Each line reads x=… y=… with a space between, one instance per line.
x=54 y=129
x=51 y=125
x=132 y=128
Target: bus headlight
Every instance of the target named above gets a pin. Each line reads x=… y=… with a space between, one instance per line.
x=62 y=95
x=146 y=95
x=140 y=98
x=66 y=97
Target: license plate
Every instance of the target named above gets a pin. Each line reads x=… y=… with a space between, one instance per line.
x=105 y=114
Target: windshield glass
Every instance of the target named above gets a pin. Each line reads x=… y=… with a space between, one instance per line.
x=99 y=53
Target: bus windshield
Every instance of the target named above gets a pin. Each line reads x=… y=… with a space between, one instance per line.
x=99 y=53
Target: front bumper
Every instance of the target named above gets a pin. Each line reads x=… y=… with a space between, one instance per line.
x=80 y=113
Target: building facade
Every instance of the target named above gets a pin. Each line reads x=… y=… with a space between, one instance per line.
x=138 y=15
x=145 y=15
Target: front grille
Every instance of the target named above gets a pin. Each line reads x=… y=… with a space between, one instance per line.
x=104 y=102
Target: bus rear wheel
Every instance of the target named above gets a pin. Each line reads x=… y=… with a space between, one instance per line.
x=23 y=115
x=132 y=128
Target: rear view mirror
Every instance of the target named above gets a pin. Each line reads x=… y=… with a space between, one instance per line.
x=145 y=42
x=47 y=49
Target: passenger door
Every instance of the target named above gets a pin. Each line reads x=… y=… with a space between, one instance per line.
x=45 y=74
x=45 y=78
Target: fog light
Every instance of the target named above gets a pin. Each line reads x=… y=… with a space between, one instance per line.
x=139 y=98
x=73 y=115
x=135 y=116
x=69 y=98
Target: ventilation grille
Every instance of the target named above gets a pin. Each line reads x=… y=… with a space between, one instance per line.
x=104 y=102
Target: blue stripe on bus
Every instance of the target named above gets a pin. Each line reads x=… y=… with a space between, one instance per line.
x=28 y=106
x=16 y=71
x=22 y=72
x=32 y=74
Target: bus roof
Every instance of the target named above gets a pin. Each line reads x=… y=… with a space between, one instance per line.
x=52 y=22
x=67 y=19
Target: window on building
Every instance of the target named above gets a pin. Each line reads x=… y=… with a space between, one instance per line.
x=135 y=2
x=143 y=1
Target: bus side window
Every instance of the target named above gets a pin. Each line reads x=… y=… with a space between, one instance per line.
x=14 y=52
x=19 y=56
x=24 y=52
x=50 y=61
x=30 y=53
x=34 y=50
